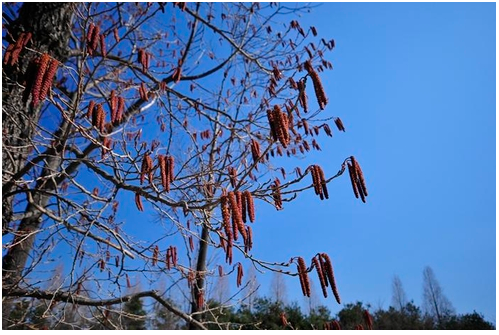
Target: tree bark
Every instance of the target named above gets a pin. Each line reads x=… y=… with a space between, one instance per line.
x=49 y=24
x=199 y=283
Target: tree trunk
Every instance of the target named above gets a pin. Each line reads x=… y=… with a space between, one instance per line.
x=49 y=24
x=199 y=283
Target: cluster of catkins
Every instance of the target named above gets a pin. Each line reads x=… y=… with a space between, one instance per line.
x=171 y=258
x=94 y=37
x=236 y=207
x=14 y=49
x=143 y=58
x=39 y=77
x=319 y=181
x=357 y=179
x=166 y=166
x=279 y=125
x=324 y=267
x=96 y=113
x=316 y=80
x=255 y=152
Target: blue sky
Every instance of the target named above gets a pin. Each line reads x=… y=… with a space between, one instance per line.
x=414 y=84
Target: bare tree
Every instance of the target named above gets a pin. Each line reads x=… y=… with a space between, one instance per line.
x=251 y=290
x=178 y=108
x=399 y=298
x=435 y=303
x=278 y=288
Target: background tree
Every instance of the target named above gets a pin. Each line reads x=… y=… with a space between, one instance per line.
x=399 y=298
x=134 y=315
x=278 y=288
x=186 y=109
x=435 y=303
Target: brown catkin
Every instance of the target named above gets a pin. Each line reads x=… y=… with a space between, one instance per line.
x=155 y=254
x=353 y=179
x=304 y=280
x=174 y=256
x=138 y=202
x=90 y=34
x=339 y=124
x=140 y=56
x=244 y=206
x=99 y=116
x=103 y=48
x=272 y=124
x=239 y=199
x=359 y=173
x=90 y=109
x=168 y=259
x=322 y=262
x=95 y=38
x=319 y=89
x=162 y=170
x=228 y=254
x=191 y=243
x=116 y=35
x=128 y=284
x=314 y=30
x=120 y=109
x=113 y=101
x=302 y=95
x=361 y=191
x=276 y=194
x=255 y=150
x=106 y=145
x=21 y=42
x=327 y=130
x=320 y=274
x=239 y=274
x=171 y=168
x=281 y=125
x=146 y=167
x=306 y=127
x=233 y=176
x=250 y=206
x=330 y=276
x=237 y=222
x=322 y=180
x=226 y=218
x=249 y=241
x=315 y=179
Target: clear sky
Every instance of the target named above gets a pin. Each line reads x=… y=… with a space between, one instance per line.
x=414 y=84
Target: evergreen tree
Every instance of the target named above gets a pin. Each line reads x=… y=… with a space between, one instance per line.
x=134 y=317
